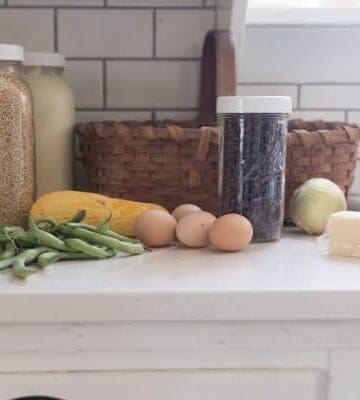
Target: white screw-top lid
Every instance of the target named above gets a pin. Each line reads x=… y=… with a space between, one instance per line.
x=11 y=52
x=44 y=60
x=253 y=104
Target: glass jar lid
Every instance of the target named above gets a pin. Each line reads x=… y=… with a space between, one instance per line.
x=36 y=59
x=11 y=52
x=253 y=105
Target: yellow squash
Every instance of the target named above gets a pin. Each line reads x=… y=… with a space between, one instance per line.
x=61 y=206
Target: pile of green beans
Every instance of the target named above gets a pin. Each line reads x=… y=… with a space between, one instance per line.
x=46 y=242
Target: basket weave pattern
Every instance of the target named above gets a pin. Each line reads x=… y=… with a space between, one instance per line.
x=165 y=164
x=172 y=164
x=320 y=149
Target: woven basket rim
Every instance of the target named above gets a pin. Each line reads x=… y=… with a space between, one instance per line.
x=150 y=130
x=295 y=124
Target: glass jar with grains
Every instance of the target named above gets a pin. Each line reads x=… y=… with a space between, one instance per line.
x=17 y=142
x=54 y=114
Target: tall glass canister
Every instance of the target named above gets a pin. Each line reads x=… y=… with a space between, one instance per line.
x=54 y=112
x=252 y=160
x=17 y=151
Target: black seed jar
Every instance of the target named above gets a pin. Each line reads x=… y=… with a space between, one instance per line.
x=252 y=160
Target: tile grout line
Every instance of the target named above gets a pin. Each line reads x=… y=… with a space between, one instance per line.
x=138 y=109
x=323 y=109
x=167 y=59
x=104 y=77
x=184 y=109
x=289 y=83
x=215 y=19
x=154 y=34
x=101 y=7
x=299 y=96
x=346 y=115
x=56 y=36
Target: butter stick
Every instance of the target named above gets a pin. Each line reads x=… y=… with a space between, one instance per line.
x=344 y=234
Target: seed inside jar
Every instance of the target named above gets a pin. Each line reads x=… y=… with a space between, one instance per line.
x=17 y=157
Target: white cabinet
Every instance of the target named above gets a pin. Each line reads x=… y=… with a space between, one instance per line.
x=170 y=385
x=278 y=322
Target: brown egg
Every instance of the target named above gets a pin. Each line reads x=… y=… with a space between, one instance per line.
x=183 y=210
x=192 y=230
x=231 y=232
x=155 y=228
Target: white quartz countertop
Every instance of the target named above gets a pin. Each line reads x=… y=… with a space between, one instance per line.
x=289 y=279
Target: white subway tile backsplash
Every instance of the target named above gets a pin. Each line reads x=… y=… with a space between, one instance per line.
x=356 y=185
x=185 y=42
x=300 y=54
x=156 y=3
x=33 y=29
x=269 y=90
x=353 y=199
x=1 y=3
x=354 y=117
x=85 y=77
x=314 y=115
x=105 y=33
x=330 y=96
x=153 y=84
x=89 y=116
x=176 y=115
x=52 y=3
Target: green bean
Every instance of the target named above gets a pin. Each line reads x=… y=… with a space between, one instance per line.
x=83 y=247
x=12 y=230
x=78 y=217
x=106 y=233
x=11 y=233
x=46 y=224
x=96 y=238
x=74 y=256
x=19 y=270
x=46 y=238
x=28 y=240
x=49 y=221
x=50 y=257
x=47 y=258
x=8 y=252
x=30 y=255
x=5 y=264
x=104 y=225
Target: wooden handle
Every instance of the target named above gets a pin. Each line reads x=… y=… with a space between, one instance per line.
x=218 y=73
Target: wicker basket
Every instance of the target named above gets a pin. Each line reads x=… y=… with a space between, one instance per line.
x=165 y=162
x=320 y=149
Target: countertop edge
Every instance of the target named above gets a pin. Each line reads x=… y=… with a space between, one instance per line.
x=158 y=307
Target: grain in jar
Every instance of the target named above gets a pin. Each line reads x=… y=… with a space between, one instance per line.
x=17 y=152
x=54 y=113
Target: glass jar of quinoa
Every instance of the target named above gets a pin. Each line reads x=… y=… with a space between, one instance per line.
x=252 y=160
x=17 y=141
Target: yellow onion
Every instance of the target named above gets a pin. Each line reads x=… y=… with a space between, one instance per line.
x=313 y=202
